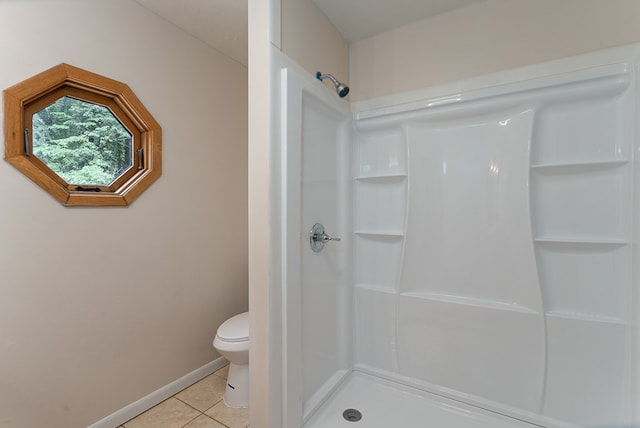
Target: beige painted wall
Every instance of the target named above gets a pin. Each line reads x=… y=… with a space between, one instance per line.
x=264 y=410
x=487 y=37
x=305 y=35
x=101 y=306
x=309 y=38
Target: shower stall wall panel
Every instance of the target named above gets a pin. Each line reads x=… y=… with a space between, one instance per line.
x=582 y=208
x=492 y=241
x=316 y=153
x=380 y=198
x=320 y=339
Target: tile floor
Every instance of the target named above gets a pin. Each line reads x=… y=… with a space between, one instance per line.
x=198 y=406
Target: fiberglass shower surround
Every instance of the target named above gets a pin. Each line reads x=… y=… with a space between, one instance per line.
x=490 y=246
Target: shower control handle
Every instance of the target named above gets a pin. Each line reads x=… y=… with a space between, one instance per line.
x=326 y=238
x=318 y=237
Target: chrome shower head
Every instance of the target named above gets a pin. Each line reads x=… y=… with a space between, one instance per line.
x=341 y=88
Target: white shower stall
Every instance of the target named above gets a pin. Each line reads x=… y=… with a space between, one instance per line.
x=487 y=273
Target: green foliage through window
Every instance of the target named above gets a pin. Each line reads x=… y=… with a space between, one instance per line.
x=82 y=142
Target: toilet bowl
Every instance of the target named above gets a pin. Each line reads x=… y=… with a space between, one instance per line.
x=232 y=342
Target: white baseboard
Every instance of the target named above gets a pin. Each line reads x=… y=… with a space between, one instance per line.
x=159 y=395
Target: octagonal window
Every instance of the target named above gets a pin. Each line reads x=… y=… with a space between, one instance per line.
x=82 y=142
x=84 y=138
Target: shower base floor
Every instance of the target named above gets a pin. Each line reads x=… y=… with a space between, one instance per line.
x=385 y=404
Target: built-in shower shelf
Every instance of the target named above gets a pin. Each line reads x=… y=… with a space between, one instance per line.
x=472 y=301
x=382 y=177
x=377 y=287
x=578 y=316
x=583 y=241
x=391 y=233
x=578 y=167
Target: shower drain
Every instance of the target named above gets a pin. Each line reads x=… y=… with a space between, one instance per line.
x=352 y=415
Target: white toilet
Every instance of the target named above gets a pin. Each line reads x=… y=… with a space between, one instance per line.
x=232 y=342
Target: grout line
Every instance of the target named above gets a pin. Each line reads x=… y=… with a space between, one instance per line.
x=191 y=419
x=177 y=398
x=201 y=412
x=212 y=406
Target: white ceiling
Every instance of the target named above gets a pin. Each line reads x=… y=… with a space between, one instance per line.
x=222 y=24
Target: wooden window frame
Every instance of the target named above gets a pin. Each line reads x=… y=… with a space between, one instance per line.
x=24 y=99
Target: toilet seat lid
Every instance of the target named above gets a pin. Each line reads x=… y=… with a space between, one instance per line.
x=235 y=329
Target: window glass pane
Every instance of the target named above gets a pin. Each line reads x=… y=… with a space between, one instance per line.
x=82 y=142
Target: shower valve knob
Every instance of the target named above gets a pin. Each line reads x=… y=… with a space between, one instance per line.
x=318 y=237
x=327 y=238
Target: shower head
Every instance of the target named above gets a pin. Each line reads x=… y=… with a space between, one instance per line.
x=341 y=88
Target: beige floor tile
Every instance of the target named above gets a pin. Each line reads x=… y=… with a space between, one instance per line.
x=171 y=413
x=223 y=372
x=205 y=393
x=204 y=421
x=233 y=418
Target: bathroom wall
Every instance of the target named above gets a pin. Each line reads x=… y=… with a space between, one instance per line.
x=304 y=34
x=101 y=306
x=266 y=361
x=309 y=38
x=487 y=37
x=317 y=182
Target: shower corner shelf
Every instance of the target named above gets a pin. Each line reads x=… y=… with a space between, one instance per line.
x=388 y=233
x=578 y=167
x=613 y=242
x=389 y=289
x=472 y=301
x=589 y=317
x=383 y=177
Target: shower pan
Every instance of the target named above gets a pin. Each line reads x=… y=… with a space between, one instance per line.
x=486 y=275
